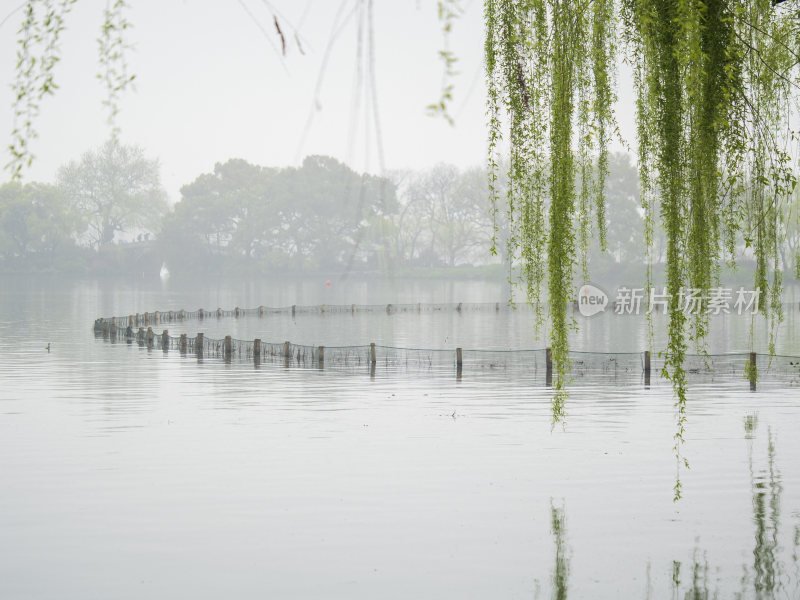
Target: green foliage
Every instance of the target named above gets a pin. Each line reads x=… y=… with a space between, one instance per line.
x=715 y=80
x=320 y=215
x=215 y=209
x=116 y=189
x=448 y=11
x=37 y=226
x=37 y=55
x=111 y=51
x=715 y=85
x=549 y=69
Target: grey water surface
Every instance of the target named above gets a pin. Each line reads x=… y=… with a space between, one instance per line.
x=134 y=473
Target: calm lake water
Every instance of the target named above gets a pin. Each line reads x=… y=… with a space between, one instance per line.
x=133 y=473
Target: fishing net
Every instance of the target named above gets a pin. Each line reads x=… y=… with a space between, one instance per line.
x=139 y=329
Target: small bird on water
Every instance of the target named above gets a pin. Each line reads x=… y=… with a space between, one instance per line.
x=47 y=347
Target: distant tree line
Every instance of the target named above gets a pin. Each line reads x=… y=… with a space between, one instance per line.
x=107 y=211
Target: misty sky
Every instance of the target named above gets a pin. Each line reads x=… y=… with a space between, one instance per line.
x=210 y=86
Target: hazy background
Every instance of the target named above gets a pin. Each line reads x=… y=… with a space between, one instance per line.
x=210 y=86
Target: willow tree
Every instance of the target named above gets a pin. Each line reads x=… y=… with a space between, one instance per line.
x=715 y=85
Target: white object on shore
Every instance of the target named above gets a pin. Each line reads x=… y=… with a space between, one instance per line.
x=164 y=273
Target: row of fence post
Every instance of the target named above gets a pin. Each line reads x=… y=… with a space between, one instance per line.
x=157 y=317
x=147 y=337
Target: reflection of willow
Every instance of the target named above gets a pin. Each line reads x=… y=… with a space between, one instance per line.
x=766 y=489
x=766 y=577
x=561 y=568
x=699 y=583
x=796 y=593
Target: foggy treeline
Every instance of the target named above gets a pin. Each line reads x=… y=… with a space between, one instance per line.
x=107 y=212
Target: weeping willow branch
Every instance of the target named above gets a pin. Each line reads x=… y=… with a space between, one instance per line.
x=550 y=73
x=112 y=49
x=716 y=88
x=38 y=52
x=448 y=11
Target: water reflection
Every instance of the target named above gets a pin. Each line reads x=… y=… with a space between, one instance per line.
x=141 y=449
x=698 y=582
x=558 y=525
x=766 y=576
x=559 y=579
x=766 y=489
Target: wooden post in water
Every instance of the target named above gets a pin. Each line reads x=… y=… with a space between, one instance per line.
x=236 y=312
x=287 y=354
x=131 y=322
x=140 y=336
x=182 y=344
x=372 y=357
x=165 y=340
x=219 y=313
x=353 y=308
x=419 y=307
x=753 y=372
x=459 y=362
x=324 y=309
x=388 y=309
x=647 y=368
x=496 y=307
x=156 y=317
x=458 y=308
x=136 y=322
x=227 y=348
x=198 y=345
x=548 y=377
x=293 y=310
x=321 y=357
x=257 y=348
x=105 y=328
x=112 y=331
x=260 y=311
x=150 y=337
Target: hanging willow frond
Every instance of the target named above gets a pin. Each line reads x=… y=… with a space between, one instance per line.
x=112 y=50
x=716 y=89
x=38 y=52
x=550 y=72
